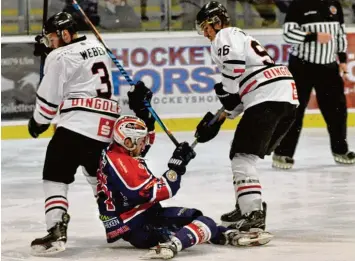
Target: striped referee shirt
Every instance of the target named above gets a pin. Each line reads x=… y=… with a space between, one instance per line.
x=306 y=18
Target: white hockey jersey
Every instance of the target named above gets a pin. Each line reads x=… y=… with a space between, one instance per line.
x=247 y=69
x=77 y=87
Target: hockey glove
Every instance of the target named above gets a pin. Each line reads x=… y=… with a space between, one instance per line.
x=40 y=47
x=138 y=95
x=36 y=129
x=181 y=157
x=228 y=100
x=151 y=137
x=147 y=117
x=206 y=133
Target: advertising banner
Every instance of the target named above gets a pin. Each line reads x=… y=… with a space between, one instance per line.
x=179 y=70
x=181 y=73
x=19 y=80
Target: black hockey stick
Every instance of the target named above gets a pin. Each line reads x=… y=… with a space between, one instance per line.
x=122 y=70
x=214 y=119
x=43 y=56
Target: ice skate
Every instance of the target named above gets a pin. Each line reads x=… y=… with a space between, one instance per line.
x=282 y=162
x=244 y=239
x=347 y=158
x=232 y=217
x=235 y=219
x=163 y=251
x=54 y=242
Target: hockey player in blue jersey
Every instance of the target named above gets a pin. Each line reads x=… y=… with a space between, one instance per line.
x=129 y=196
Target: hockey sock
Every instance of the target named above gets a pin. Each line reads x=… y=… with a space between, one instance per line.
x=201 y=230
x=56 y=202
x=246 y=182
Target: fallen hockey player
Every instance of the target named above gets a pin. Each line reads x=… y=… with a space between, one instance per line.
x=129 y=196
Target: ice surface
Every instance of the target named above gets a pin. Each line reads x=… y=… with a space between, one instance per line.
x=311 y=207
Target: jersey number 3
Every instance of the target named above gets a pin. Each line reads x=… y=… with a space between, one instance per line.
x=103 y=92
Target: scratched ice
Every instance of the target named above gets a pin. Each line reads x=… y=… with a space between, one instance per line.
x=311 y=208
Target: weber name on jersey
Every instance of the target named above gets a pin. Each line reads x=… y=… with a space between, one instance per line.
x=77 y=87
x=247 y=69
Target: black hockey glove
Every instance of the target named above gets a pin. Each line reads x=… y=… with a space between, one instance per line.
x=138 y=96
x=36 y=129
x=181 y=157
x=228 y=100
x=40 y=48
x=206 y=133
x=147 y=117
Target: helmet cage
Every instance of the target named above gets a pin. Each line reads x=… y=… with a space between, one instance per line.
x=200 y=27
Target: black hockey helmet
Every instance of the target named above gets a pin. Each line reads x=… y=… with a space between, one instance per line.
x=213 y=12
x=59 y=22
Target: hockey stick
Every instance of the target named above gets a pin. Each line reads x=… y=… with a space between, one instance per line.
x=214 y=119
x=122 y=70
x=43 y=56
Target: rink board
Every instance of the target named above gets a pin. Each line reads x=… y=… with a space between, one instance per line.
x=18 y=130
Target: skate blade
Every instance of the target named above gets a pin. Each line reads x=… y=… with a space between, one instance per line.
x=162 y=253
x=282 y=165
x=341 y=161
x=253 y=239
x=40 y=250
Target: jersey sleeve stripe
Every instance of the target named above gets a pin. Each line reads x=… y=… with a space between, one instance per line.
x=46 y=102
x=230 y=77
x=234 y=62
x=168 y=187
x=48 y=111
x=47 y=118
x=154 y=195
x=239 y=70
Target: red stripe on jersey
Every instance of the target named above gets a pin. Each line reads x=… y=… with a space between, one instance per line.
x=198 y=232
x=239 y=70
x=248 y=187
x=57 y=202
x=48 y=111
x=131 y=213
x=162 y=191
x=248 y=88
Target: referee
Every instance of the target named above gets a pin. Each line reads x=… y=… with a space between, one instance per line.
x=316 y=30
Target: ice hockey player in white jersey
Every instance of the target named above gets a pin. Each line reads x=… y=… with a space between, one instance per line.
x=76 y=88
x=251 y=83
